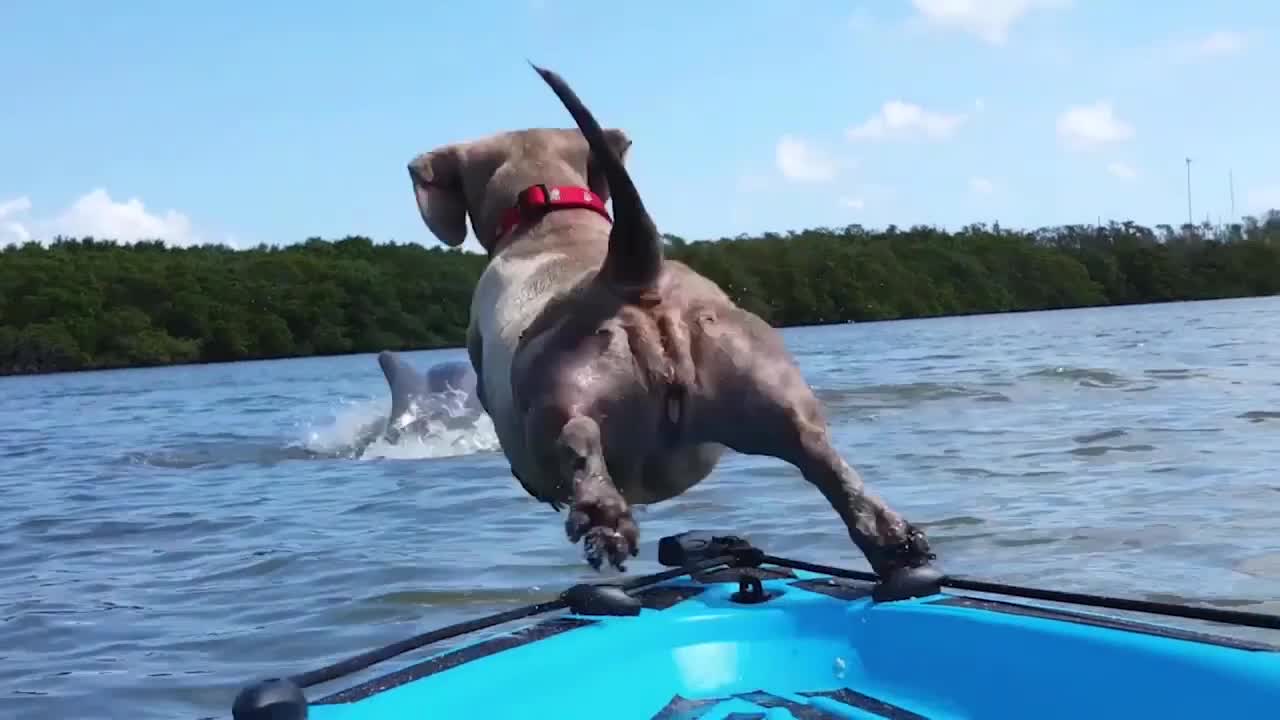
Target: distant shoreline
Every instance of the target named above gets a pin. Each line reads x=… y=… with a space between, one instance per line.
x=373 y=353
x=89 y=305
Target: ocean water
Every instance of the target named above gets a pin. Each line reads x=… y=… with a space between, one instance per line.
x=169 y=534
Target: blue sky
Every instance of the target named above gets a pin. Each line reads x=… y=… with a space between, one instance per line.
x=256 y=122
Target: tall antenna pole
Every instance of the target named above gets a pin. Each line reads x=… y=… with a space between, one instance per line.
x=1231 y=185
x=1189 y=220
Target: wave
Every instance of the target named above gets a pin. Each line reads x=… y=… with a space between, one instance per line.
x=356 y=430
x=1087 y=377
x=903 y=395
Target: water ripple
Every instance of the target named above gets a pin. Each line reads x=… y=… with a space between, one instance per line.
x=190 y=528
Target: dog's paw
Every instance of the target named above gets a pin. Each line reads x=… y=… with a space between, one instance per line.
x=607 y=531
x=601 y=543
x=913 y=551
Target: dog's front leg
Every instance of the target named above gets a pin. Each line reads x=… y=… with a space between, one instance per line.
x=598 y=514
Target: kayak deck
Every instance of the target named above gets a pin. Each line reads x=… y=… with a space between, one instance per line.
x=803 y=644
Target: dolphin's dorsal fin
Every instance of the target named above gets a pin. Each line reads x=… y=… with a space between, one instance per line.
x=403 y=380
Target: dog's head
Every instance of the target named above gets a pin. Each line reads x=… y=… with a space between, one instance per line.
x=481 y=178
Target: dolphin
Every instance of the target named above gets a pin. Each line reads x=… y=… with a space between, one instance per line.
x=426 y=393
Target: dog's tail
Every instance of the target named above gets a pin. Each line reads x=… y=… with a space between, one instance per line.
x=635 y=253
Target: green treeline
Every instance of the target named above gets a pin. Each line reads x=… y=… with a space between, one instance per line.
x=85 y=303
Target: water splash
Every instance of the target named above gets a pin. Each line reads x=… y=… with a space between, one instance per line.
x=443 y=428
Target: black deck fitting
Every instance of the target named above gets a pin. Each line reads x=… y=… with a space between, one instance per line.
x=909 y=583
x=270 y=699
x=591 y=599
x=750 y=590
x=693 y=546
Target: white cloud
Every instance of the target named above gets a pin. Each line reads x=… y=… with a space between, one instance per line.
x=1202 y=47
x=799 y=161
x=981 y=186
x=95 y=213
x=989 y=20
x=853 y=203
x=900 y=119
x=1221 y=42
x=12 y=230
x=14 y=206
x=1262 y=199
x=1086 y=126
x=1124 y=171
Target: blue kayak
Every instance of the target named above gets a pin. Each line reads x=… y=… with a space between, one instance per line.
x=733 y=633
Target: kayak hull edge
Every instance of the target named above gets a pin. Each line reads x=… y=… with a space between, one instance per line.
x=821 y=647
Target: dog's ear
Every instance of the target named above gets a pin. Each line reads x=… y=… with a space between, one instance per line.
x=621 y=145
x=437 y=185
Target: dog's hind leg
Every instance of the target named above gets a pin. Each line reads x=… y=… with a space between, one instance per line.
x=760 y=404
x=598 y=514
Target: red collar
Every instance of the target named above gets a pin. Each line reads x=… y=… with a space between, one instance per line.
x=537 y=200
